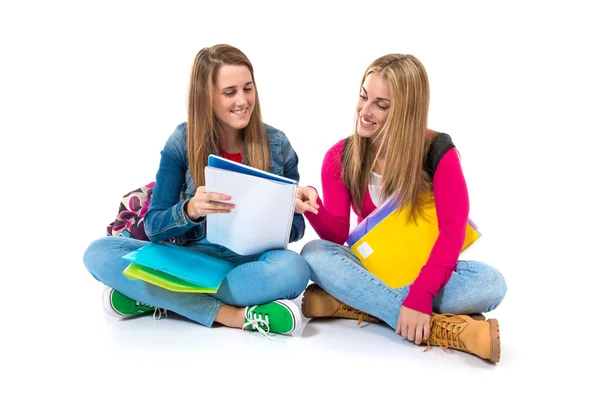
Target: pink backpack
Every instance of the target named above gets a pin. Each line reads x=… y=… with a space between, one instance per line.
x=130 y=218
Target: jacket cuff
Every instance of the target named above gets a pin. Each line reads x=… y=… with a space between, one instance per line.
x=185 y=218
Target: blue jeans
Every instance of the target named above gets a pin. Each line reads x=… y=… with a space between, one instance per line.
x=256 y=279
x=473 y=288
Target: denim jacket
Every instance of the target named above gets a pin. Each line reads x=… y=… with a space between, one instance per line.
x=174 y=186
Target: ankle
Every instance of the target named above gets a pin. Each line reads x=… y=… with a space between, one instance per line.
x=230 y=316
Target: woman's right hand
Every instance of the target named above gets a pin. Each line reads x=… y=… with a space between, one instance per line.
x=306 y=200
x=204 y=203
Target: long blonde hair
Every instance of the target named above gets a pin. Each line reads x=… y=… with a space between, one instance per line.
x=203 y=138
x=403 y=138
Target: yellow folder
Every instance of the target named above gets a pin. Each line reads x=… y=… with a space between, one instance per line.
x=395 y=248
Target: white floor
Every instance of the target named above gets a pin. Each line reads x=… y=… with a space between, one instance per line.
x=63 y=343
x=356 y=360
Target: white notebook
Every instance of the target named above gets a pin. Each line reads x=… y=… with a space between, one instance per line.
x=264 y=207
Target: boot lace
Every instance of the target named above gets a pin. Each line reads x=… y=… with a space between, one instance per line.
x=445 y=331
x=359 y=314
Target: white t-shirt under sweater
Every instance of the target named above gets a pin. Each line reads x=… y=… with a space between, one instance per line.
x=375 y=189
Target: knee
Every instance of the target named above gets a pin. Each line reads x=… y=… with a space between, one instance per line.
x=495 y=286
x=298 y=274
x=104 y=254
x=315 y=253
x=291 y=274
x=314 y=247
x=95 y=255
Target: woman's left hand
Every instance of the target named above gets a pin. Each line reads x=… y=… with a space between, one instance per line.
x=413 y=325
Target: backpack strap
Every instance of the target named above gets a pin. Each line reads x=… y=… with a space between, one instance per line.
x=440 y=146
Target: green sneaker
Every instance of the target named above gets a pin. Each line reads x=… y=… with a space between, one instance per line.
x=120 y=306
x=279 y=316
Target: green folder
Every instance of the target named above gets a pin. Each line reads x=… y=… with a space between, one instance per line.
x=166 y=281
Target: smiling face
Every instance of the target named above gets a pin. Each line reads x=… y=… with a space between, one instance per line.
x=373 y=106
x=233 y=97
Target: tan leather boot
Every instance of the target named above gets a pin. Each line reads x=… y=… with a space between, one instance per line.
x=477 y=317
x=318 y=303
x=462 y=332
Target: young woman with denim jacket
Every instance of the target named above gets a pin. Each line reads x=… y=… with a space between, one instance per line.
x=224 y=118
x=387 y=156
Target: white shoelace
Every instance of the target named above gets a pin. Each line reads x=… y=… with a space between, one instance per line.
x=158 y=313
x=256 y=320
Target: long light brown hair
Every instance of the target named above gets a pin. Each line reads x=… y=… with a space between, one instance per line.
x=203 y=138
x=403 y=139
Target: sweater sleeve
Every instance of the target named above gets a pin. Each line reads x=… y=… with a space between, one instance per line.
x=452 y=207
x=333 y=220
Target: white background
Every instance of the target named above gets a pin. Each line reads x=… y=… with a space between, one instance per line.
x=90 y=92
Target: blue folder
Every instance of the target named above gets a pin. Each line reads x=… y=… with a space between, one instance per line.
x=191 y=266
x=223 y=163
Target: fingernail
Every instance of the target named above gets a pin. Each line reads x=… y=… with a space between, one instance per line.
x=231 y=206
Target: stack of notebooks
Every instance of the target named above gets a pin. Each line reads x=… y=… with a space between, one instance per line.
x=394 y=247
x=176 y=268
